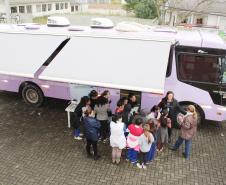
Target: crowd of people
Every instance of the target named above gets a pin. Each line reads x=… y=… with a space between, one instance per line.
x=128 y=128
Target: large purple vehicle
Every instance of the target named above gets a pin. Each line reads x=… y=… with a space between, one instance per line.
x=68 y=62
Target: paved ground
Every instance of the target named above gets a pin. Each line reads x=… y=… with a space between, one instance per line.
x=36 y=147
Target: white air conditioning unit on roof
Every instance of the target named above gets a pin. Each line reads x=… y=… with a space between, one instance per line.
x=57 y=21
x=101 y=23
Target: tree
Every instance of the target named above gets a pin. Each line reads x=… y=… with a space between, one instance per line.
x=142 y=8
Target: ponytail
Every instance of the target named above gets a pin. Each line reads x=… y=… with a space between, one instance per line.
x=191 y=108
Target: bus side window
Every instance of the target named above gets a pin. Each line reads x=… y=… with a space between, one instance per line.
x=198 y=68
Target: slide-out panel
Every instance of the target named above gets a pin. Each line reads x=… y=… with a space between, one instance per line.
x=23 y=54
x=131 y=64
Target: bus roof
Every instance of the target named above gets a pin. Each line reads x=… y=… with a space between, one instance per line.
x=196 y=38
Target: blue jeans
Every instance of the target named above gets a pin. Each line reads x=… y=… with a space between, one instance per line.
x=132 y=155
x=76 y=132
x=151 y=153
x=179 y=142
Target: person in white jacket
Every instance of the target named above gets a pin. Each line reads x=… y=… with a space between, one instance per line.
x=117 y=138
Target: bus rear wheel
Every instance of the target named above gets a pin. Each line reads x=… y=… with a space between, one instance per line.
x=32 y=95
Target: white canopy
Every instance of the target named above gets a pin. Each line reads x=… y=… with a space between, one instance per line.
x=23 y=54
x=132 y=64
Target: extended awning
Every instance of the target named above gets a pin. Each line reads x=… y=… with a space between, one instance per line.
x=133 y=64
x=23 y=54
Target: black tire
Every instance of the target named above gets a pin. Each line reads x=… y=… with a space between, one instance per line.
x=32 y=95
x=200 y=114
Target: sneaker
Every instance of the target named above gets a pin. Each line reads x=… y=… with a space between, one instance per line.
x=139 y=166
x=148 y=162
x=172 y=148
x=105 y=141
x=144 y=166
x=77 y=138
x=97 y=157
x=184 y=155
x=89 y=155
x=81 y=134
x=161 y=149
x=133 y=162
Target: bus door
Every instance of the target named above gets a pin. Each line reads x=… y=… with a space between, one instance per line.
x=223 y=81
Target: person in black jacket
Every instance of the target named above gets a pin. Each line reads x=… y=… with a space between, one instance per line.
x=173 y=107
x=92 y=132
x=78 y=115
x=126 y=115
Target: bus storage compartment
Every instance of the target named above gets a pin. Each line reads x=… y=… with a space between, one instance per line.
x=78 y=90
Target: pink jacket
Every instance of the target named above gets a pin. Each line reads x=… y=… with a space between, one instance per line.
x=188 y=127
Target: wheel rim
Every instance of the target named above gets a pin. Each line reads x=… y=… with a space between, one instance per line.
x=32 y=96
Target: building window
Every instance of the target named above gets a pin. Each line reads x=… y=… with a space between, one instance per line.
x=199 y=21
x=21 y=9
x=57 y=6
x=44 y=7
x=49 y=7
x=38 y=8
x=72 y=8
x=14 y=9
x=29 y=8
x=66 y=6
x=76 y=8
x=61 y=6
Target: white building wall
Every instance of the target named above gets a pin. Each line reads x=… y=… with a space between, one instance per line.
x=222 y=23
x=2 y=7
x=212 y=20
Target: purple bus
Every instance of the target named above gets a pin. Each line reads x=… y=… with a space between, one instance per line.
x=66 y=63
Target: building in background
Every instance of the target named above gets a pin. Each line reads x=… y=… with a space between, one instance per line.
x=210 y=14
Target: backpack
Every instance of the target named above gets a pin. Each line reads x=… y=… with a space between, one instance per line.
x=163 y=121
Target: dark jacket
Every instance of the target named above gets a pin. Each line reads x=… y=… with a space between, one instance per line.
x=76 y=116
x=92 y=127
x=174 y=108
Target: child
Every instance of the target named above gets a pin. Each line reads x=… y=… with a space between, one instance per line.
x=135 y=130
x=117 y=138
x=78 y=116
x=153 y=130
x=92 y=127
x=165 y=123
x=145 y=142
x=120 y=106
x=155 y=113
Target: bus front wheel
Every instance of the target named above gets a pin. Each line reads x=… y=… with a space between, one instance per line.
x=32 y=95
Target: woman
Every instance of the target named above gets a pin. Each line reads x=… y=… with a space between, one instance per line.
x=173 y=107
x=92 y=127
x=78 y=116
x=188 y=130
x=117 y=138
x=93 y=95
x=102 y=108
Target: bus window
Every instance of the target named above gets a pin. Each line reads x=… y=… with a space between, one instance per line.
x=198 y=68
